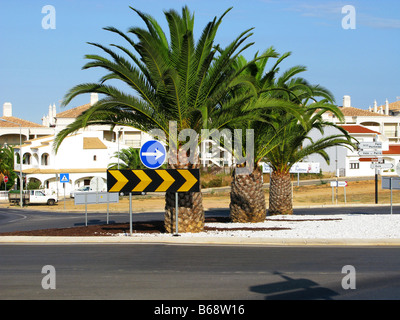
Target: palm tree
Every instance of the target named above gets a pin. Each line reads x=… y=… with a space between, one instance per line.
x=294 y=144
x=175 y=79
x=282 y=126
x=247 y=195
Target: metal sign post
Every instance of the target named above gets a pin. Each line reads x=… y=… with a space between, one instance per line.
x=130 y=213
x=64 y=178
x=376 y=185
x=391 y=183
x=94 y=197
x=176 y=215
x=391 y=196
x=86 y=209
x=372 y=149
x=337 y=184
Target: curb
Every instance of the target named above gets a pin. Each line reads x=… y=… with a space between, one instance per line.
x=197 y=241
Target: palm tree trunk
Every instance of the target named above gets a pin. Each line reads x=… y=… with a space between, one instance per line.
x=280 y=194
x=190 y=212
x=247 y=197
x=190 y=207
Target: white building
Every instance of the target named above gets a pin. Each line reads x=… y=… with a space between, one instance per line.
x=83 y=155
x=376 y=124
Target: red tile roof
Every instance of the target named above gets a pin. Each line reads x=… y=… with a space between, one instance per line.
x=14 y=120
x=352 y=112
x=394 y=106
x=393 y=149
x=358 y=129
x=74 y=112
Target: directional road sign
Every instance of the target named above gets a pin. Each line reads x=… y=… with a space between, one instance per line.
x=391 y=183
x=398 y=168
x=381 y=165
x=168 y=180
x=64 y=177
x=93 y=197
x=339 y=183
x=370 y=145
x=153 y=154
x=379 y=160
x=370 y=153
x=96 y=184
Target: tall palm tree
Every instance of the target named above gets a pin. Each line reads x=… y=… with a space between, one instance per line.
x=294 y=144
x=175 y=79
x=280 y=131
x=247 y=196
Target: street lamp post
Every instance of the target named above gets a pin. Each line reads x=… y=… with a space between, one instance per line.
x=118 y=135
x=20 y=159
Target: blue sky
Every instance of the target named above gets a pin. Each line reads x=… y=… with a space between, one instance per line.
x=38 y=66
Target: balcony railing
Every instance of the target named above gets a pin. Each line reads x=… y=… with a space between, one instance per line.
x=391 y=133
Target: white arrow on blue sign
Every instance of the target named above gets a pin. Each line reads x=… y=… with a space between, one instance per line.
x=153 y=154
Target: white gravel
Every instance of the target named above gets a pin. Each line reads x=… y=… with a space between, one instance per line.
x=309 y=227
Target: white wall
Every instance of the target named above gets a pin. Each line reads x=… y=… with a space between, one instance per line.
x=334 y=153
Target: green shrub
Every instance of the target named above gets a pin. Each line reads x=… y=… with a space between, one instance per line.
x=214 y=183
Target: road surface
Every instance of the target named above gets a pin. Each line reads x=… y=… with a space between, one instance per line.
x=165 y=272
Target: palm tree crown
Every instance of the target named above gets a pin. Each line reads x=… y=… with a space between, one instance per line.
x=170 y=80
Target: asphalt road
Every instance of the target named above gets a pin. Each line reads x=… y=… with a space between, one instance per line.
x=182 y=272
x=179 y=272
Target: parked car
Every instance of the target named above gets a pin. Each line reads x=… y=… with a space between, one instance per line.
x=32 y=197
x=81 y=189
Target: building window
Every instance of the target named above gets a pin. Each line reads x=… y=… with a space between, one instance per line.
x=355 y=165
x=26 y=158
x=45 y=159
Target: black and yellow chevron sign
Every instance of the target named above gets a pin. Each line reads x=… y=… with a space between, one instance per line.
x=171 y=180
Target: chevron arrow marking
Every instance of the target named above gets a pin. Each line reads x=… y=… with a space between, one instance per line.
x=190 y=180
x=168 y=180
x=121 y=180
x=144 y=180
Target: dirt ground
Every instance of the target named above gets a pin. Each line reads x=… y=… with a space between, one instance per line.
x=357 y=192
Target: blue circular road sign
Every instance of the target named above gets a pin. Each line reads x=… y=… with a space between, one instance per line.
x=153 y=154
